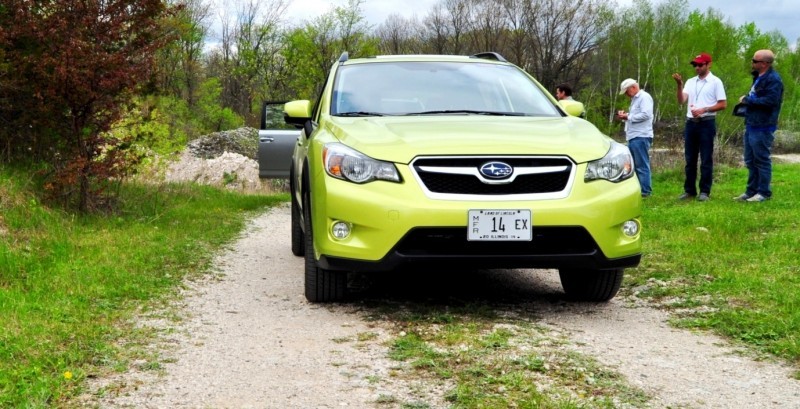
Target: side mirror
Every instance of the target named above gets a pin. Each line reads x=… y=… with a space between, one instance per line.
x=297 y=112
x=573 y=108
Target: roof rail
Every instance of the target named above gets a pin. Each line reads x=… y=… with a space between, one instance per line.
x=344 y=57
x=490 y=55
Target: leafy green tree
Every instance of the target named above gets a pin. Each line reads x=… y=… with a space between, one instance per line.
x=248 y=61
x=212 y=115
x=179 y=63
x=311 y=49
x=788 y=65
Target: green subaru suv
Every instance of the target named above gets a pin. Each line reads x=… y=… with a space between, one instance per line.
x=456 y=161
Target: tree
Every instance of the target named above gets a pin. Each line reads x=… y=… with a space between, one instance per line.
x=396 y=35
x=311 y=49
x=562 y=36
x=76 y=63
x=179 y=63
x=488 y=27
x=249 y=62
x=436 y=34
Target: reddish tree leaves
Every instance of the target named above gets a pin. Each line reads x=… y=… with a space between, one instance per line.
x=72 y=64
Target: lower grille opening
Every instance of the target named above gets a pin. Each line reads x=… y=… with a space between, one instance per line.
x=452 y=241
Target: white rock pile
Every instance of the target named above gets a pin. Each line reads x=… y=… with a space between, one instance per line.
x=231 y=170
x=224 y=159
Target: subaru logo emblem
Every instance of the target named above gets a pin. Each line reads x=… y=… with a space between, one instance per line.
x=496 y=170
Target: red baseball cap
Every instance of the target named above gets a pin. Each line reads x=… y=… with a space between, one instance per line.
x=702 y=58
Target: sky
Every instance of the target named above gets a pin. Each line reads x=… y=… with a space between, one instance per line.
x=768 y=15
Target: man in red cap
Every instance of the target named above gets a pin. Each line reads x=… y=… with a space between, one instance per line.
x=705 y=95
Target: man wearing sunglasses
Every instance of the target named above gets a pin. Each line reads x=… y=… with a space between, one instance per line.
x=705 y=95
x=763 y=104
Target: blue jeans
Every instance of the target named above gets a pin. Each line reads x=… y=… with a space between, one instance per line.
x=698 y=140
x=640 y=148
x=757 y=146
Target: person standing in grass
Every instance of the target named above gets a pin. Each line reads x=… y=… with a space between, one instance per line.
x=638 y=130
x=763 y=105
x=706 y=95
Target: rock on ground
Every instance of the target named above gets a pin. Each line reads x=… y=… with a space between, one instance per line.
x=231 y=170
x=226 y=159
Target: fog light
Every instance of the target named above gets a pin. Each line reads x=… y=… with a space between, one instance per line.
x=630 y=228
x=340 y=230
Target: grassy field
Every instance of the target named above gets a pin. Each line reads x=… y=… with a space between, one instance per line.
x=727 y=266
x=69 y=286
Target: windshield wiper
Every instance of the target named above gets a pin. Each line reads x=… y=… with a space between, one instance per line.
x=359 y=113
x=467 y=111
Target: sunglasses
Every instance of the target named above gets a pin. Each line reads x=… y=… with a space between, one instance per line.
x=755 y=61
x=697 y=65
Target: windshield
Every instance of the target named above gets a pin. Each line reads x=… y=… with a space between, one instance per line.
x=437 y=88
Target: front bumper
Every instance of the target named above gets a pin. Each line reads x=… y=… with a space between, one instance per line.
x=395 y=224
x=551 y=247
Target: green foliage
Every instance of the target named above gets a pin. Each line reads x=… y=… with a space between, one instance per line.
x=162 y=125
x=212 y=115
x=70 y=284
x=312 y=49
x=179 y=68
x=148 y=124
x=228 y=178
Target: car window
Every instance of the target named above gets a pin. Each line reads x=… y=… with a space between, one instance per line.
x=409 y=88
x=272 y=117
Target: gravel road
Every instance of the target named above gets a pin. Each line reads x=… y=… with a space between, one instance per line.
x=250 y=340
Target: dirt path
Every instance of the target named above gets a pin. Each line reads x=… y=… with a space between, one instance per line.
x=252 y=341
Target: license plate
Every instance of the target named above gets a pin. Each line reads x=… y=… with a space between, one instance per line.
x=499 y=225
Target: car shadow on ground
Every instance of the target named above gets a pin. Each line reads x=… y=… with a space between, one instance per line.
x=459 y=285
x=528 y=294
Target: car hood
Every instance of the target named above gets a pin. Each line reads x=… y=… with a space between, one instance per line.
x=401 y=139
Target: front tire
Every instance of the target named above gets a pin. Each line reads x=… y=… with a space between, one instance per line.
x=321 y=285
x=591 y=285
x=298 y=239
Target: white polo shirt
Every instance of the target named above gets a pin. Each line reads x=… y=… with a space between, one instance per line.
x=703 y=93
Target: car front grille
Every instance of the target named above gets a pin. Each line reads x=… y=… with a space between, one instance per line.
x=460 y=177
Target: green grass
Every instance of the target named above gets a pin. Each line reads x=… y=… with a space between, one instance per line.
x=727 y=266
x=501 y=362
x=70 y=284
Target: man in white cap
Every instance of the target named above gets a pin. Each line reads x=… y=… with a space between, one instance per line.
x=638 y=130
x=706 y=95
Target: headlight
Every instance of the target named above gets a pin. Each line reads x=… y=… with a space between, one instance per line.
x=345 y=163
x=616 y=166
